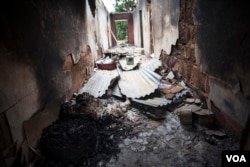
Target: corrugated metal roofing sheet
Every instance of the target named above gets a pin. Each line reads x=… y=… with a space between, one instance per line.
x=180 y=94
x=154 y=102
x=99 y=82
x=150 y=63
x=116 y=91
x=138 y=83
x=161 y=101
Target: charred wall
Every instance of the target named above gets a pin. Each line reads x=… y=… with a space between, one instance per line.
x=165 y=19
x=36 y=38
x=223 y=42
x=182 y=58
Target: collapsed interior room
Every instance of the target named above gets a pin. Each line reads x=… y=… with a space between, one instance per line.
x=175 y=90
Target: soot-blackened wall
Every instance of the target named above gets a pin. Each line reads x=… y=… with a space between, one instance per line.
x=36 y=37
x=223 y=50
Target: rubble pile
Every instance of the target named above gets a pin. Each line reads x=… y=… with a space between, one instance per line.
x=123 y=135
x=143 y=116
x=81 y=138
x=149 y=88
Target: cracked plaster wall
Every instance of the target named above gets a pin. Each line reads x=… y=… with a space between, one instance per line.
x=165 y=18
x=159 y=25
x=182 y=59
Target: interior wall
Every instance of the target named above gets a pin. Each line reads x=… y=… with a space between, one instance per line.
x=103 y=26
x=182 y=58
x=145 y=9
x=223 y=42
x=90 y=28
x=165 y=19
x=36 y=38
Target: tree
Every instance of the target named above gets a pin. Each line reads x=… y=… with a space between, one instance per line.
x=121 y=29
x=125 y=5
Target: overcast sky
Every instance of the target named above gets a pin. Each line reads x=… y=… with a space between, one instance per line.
x=109 y=4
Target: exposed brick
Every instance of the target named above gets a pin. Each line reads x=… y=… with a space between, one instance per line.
x=80 y=71
x=182 y=58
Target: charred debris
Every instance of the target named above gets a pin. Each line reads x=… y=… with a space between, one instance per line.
x=93 y=123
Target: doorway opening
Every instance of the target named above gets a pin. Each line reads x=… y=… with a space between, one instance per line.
x=121 y=29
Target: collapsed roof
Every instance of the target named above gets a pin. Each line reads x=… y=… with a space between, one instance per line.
x=137 y=81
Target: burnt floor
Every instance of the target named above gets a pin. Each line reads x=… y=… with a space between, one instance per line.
x=150 y=142
x=169 y=143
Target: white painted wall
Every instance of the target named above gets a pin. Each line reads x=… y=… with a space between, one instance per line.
x=145 y=27
x=165 y=18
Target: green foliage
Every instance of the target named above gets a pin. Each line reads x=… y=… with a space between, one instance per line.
x=122 y=26
x=121 y=29
x=124 y=5
x=120 y=8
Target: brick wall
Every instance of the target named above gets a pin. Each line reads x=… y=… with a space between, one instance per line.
x=182 y=58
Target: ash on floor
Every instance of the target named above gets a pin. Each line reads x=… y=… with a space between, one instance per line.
x=127 y=137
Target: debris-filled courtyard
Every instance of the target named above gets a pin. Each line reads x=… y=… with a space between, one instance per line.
x=144 y=116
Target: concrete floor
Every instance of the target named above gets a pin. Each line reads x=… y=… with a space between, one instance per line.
x=159 y=143
x=168 y=143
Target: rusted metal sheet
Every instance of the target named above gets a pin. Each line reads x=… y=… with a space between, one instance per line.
x=99 y=82
x=138 y=83
x=150 y=63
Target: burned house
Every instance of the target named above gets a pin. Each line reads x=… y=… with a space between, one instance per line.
x=174 y=92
